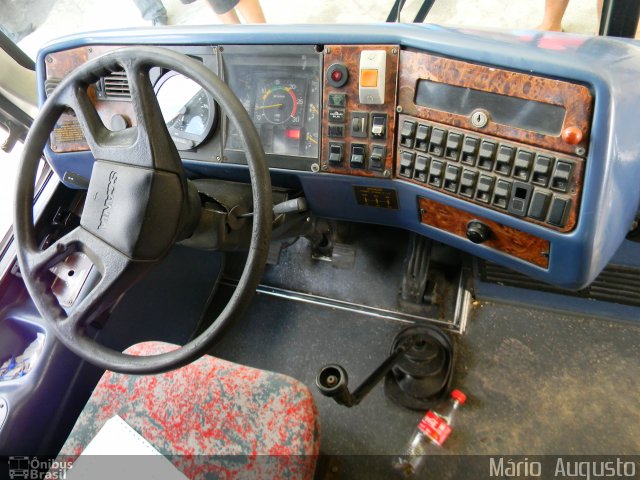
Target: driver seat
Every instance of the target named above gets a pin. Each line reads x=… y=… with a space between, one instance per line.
x=211 y=418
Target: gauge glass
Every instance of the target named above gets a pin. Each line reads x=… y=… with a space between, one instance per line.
x=187 y=109
x=280 y=102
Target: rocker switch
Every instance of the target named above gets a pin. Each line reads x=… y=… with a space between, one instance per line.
x=378 y=126
x=377 y=158
x=371 y=76
x=336 y=152
x=357 y=156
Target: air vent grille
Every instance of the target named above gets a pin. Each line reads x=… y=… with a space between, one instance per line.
x=114 y=87
x=616 y=283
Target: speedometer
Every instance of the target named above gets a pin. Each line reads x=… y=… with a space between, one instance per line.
x=188 y=110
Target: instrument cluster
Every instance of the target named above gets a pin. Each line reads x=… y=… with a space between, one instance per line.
x=282 y=96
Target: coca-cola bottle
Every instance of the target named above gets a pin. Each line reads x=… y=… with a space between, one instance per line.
x=431 y=433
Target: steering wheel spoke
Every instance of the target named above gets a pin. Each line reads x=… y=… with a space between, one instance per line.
x=104 y=143
x=145 y=103
x=116 y=272
x=42 y=260
x=153 y=138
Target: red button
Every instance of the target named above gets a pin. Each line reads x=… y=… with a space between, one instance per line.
x=336 y=75
x=572 y=135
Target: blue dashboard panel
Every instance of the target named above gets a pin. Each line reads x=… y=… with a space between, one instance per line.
x=609 y=67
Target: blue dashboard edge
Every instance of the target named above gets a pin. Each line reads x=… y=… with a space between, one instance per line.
x=609 y=67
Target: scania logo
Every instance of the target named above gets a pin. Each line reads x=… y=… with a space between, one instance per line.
x=108 y=201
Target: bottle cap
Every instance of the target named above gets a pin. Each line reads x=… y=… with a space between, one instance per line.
x=459 y=396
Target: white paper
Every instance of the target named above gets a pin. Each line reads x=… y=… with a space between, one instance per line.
x=119 y=452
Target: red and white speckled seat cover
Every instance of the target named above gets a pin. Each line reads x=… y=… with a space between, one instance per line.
x=212 y=418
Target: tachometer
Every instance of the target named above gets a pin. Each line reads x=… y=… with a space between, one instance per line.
x=279 y=102
x=187 y=109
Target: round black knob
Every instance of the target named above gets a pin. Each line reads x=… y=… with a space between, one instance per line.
x=478 y=232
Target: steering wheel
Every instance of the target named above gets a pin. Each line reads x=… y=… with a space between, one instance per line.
x=138 y=204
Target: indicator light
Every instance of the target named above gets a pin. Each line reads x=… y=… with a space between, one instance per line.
x=336 y=75
x=369 y=78
x=293 y=133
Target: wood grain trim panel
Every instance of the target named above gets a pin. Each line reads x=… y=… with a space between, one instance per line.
x=508 y=240
x=66 y=136
x=349 y=55
x=576 y=99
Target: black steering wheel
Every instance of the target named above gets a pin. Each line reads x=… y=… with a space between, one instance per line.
x=138 y=205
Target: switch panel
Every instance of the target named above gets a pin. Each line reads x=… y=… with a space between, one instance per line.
x=372 y=74
x=359 y=112
x=515 y=179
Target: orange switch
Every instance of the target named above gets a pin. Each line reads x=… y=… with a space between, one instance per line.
x=369 y=78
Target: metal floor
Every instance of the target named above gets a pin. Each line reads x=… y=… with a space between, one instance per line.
x=538 y=382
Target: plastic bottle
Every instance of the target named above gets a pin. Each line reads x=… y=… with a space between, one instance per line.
x=431 y=433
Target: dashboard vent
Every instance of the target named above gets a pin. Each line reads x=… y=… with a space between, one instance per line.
x=616 y=283
x=114 y=87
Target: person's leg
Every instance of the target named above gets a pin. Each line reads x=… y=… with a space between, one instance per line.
x=251 y=11
x=599 y=5
x=152 y=10
x=231 y=17
x=553 y=13
x=224 y=9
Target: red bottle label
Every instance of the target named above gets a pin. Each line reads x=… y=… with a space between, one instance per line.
x=434 y=427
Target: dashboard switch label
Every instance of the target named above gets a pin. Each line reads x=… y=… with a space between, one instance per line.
x=377 y=197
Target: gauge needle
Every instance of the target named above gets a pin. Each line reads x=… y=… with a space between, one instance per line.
x=270 y=106
x=311 y=139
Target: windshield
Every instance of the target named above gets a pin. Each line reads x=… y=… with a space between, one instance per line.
x=32 y=23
